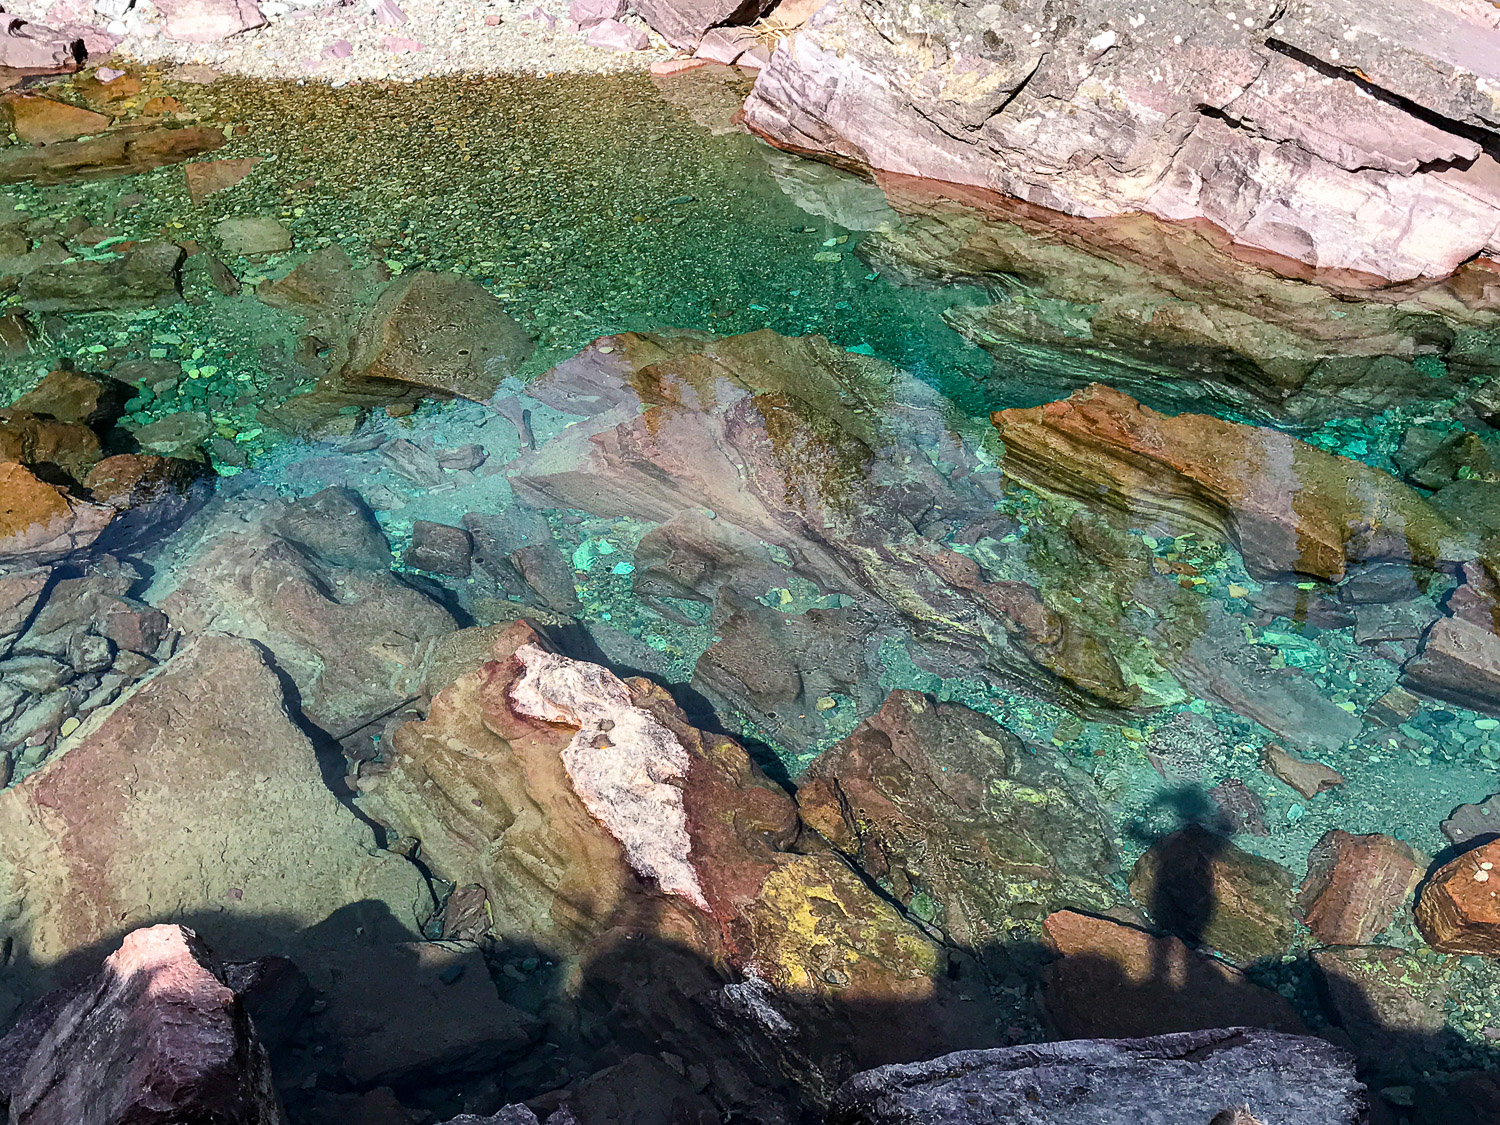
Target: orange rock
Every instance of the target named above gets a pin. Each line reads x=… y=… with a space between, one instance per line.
x=1355 y=885
x=120 y=152
x=1459 y=910
x=208 y=176
x=1288 y=506
x=38 y=522
x=36 y=441
x=127 y=480
x=1118 y=982
x=42 y=121
x=1307 y=777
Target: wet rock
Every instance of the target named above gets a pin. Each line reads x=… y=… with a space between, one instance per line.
x=1474 y=824
x=1458 y=910
x=1193 y=1077
x=1200 y=473
x=642 y=1090
x=208 y=21
x=466 y=914
x=1456 y=456
x=1459 y=661
x=344 y=636
x=1240 y=809
x=337 y=526
x=42 y=121
x=154 y=1036
x=1306 y=777
x=1116 y=982
x=1239 y=115
x=1471 y=504
x=420 y=1010
x=1318 y=608
x=111 y=831
x=71 y=396
x=517 y=551
x=252 y=236
x=1355 y=886
x=1393 y=708
x=40 y=523
x=440 y=549
x=19 y=595
x=143 y=277
x=1389 y=1002
x=60 y=451
x=276 y=995
x=413 y=462
x=1403 y=621
x=1199 y=886
x=968 y=829
x=205 y=177
x=120 y=152
x=176 y=435
x=324 y=288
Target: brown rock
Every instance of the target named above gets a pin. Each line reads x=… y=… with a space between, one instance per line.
x=42 y=121
x=440 y=549
x=40 y=523
x=113 y=830
x=1393 y=708
x=1355 y=885
x=53 y=448
x=137 y=630
x=71 y=396
x=205 y=177
x=120 y=152
x=155 y=1037
x=1306 y=777
x=1199 y=886
x=129 y=480
x=1389 y=1001
x=1459 y=661
x=1116 y=982
x=1288 y=506
x=1458 y=910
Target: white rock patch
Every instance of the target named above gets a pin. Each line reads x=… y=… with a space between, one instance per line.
x=622 y=763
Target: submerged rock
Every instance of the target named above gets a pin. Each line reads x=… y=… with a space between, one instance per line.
x=1355 y=885
x=113 y=832
x=40 y=523
x=142 y=277
x=1194 y=1079
x=124 y=151
x=1458 y=910
x=154 y=1037
x=968 y=829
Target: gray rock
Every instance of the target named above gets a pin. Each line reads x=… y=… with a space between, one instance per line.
x=440 y=549
x=145 y=276
x=337 y=526
x=251 y=236
x=1182 y=1079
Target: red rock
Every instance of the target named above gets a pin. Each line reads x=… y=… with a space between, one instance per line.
x=129 y=480
x=42 y=121
x=40 y=523
x=1458 y=910
x=120 y=152
x=137 y=630
x=1355 y=885
x=36 y=441
x=154 y=1038
x=1117 y=982
x=71 y=396
x=208 y=176
x=1306 y=777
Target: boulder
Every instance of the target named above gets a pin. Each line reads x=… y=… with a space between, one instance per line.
x=440 y=549
x=120 y=152
x=111 y=834
x=1458 y=910
x=1355 y=886
x=1391 y=1003
x=33 y=48
x=40 y=523
x=683 y=22
x=208 y=21
x=1198 y=1078
x=419 y=1011
x=1199 y=886
x=143 y=277
x=1269 y=129
x=969 y=830
x=1289 y=507
x=154 y=1037
x=72 y=396
x=346 y=636
x=1113 y=981
x=336 y=526
x=58 y=450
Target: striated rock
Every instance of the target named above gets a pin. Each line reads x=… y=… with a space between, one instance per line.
x=120 y=152
x=111 y=833
x=1307 y=778
x=1389 y=1002
x=1195 y=1077
x=142 y=277
x=33 y=48
x=1355 y=885
x=1199 y=886
x=440 y=549
x=40 y=523
x=1296 y=154
x=347 y=637
x=154 y=1037
x=1116 y=982
x=208 y=21
x=1458 y=910
x=683 y=22
x=968 y=829
x=1288 y=507
x=420 y=1011
x=42 y=121
x=1459 y=661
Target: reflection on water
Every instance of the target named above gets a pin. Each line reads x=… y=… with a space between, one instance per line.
x=668 y=404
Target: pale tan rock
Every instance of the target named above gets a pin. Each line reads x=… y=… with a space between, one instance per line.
x=1306 y=777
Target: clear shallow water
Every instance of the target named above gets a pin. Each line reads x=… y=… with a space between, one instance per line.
x=597 y=206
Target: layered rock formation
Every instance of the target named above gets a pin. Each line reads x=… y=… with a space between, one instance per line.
x=1321 y=134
